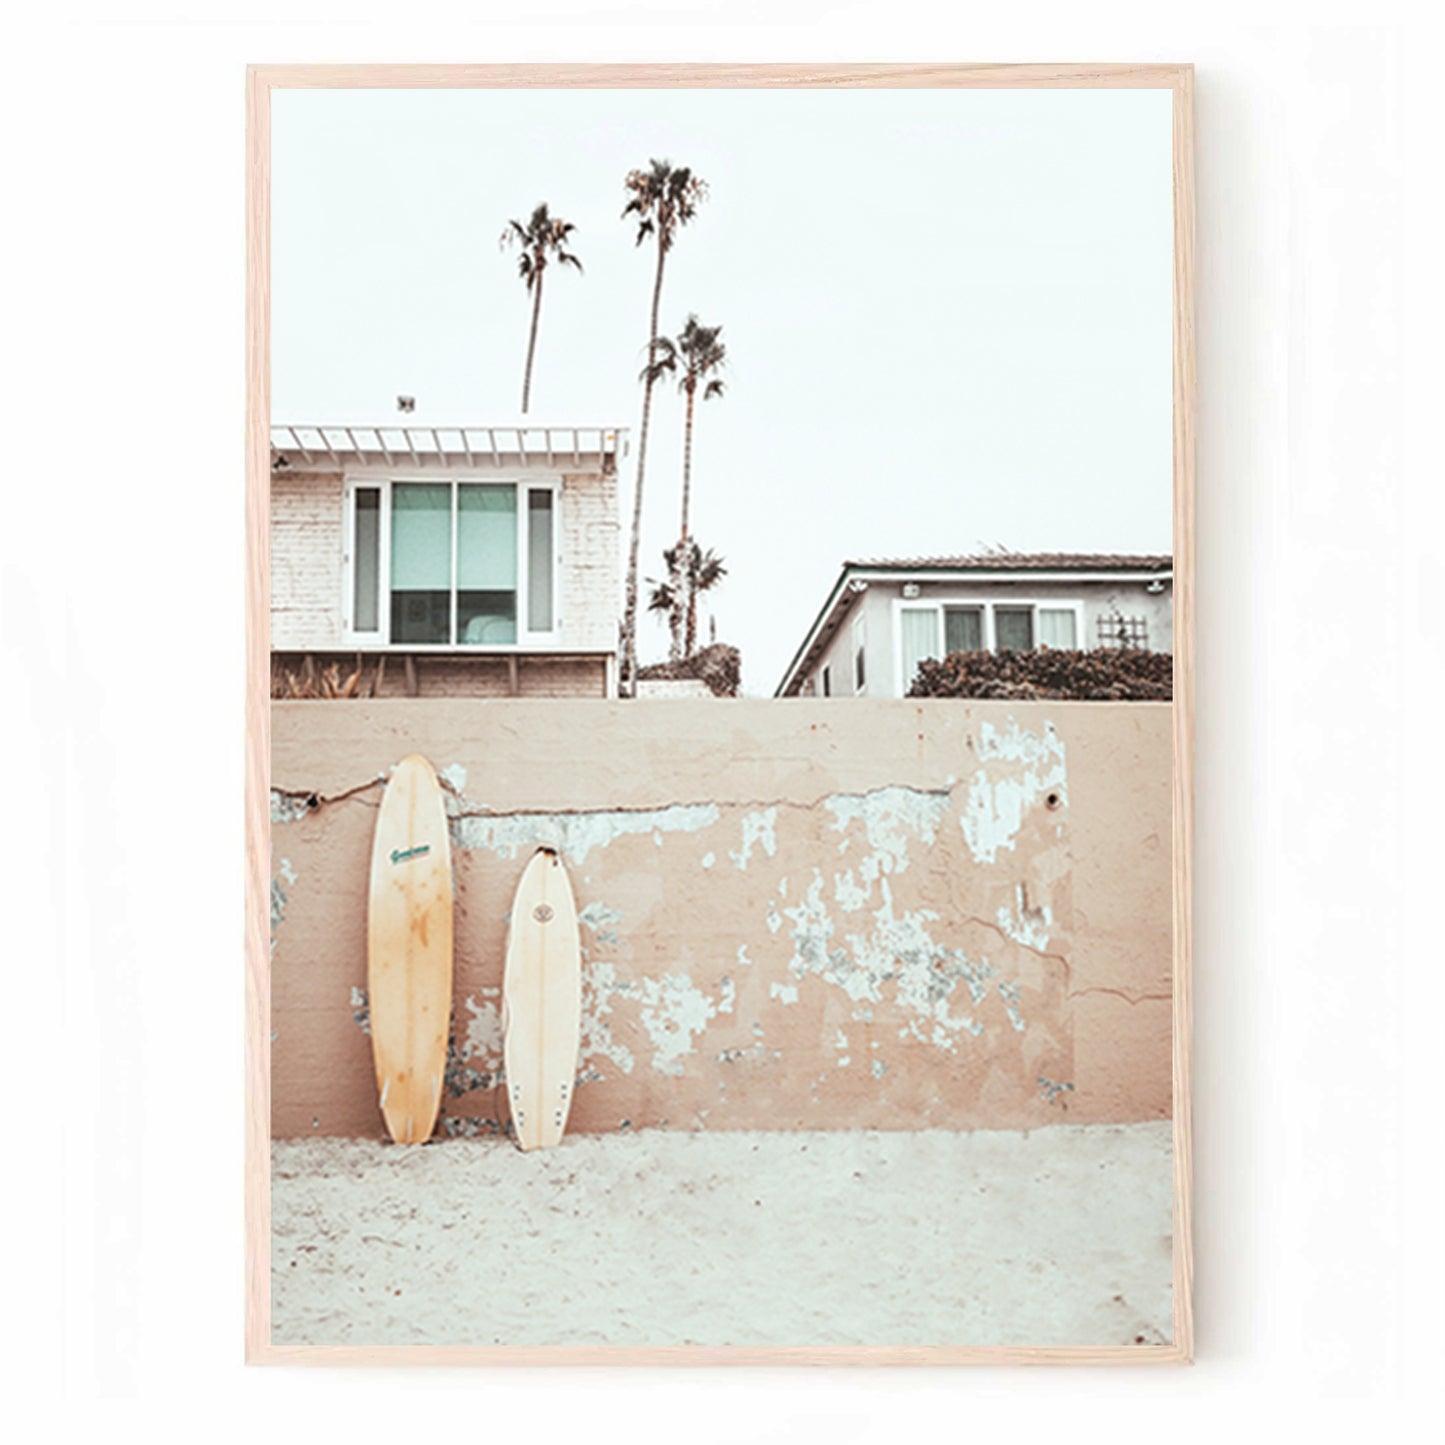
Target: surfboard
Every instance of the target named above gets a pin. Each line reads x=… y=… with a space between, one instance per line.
x=542 y=998
x=409 y=950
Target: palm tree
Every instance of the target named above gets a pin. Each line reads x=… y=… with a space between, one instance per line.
x=703 y=572
x=541 y=240
x=664 y=199
x=697 y=352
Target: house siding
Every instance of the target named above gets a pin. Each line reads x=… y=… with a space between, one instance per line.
x=306 y=560
x=308 y=543
x=591 y=576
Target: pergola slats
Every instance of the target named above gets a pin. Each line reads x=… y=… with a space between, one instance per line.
x=365 y=444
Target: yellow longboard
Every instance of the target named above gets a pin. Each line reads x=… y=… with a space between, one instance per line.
x=542 y=994
x=409 y=950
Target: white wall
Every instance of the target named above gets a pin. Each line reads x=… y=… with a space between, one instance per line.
x=1317 y=988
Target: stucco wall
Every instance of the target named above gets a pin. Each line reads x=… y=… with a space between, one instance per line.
x=795 y=914
x=307 y=545
x=876 y=605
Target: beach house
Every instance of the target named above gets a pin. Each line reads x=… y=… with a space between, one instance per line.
x=882 y=618
x=444 y=561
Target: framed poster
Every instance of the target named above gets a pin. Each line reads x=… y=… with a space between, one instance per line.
x=720 y=667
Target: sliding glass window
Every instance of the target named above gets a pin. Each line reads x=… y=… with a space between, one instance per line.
x=421 y=562
x=486 y=564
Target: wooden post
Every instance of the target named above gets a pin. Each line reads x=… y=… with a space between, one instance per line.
x=513 y=682
x=411 y=683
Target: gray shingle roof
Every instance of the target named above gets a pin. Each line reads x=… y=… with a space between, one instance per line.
x=1026 y=562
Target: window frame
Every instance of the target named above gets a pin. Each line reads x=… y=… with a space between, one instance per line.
x=938 y=605
x=522 y=485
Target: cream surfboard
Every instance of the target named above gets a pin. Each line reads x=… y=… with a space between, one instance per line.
x=409 y=950
x=542 y=994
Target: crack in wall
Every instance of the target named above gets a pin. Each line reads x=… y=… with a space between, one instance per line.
x=1129 y=998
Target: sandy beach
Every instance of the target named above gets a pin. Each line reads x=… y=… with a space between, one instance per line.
x=1058 y=1236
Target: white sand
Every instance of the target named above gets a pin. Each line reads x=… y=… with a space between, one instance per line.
x=1056 y=1237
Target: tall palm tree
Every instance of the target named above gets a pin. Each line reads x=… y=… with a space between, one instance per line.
x=664 y=198
x=697 y=353
x=541 y=240
x=703 y=571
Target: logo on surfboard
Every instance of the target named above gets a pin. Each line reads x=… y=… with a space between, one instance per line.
x=400 y=855
x=543 y=913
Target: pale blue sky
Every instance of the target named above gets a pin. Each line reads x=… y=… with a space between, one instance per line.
x=948 y=313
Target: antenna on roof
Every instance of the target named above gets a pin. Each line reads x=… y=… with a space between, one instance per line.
x=406 y=403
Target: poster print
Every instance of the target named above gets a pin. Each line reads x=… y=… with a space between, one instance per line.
x=723 y=679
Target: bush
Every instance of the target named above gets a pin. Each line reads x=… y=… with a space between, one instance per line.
x=1106 y=674
x=719 y=666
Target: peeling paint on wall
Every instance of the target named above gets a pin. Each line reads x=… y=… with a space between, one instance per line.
x=600 y=986
x=759 y=830
x=1011 y=994
x=1017 y=770
x=674 y=1012
x=891 y=817
x=906 y=947
x=286 y=875
x=575 y=835
x=287 y=808
x=483 y=1041
x=599 y=918
x=361 y=1010
x=1024 y=924
x=278 y=910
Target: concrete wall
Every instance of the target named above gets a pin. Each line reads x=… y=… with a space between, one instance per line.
x=307 y=545
x=875 y=609
x=795 y=914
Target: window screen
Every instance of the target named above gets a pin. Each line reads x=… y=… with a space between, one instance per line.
x=1014 y=628
x=962 y=629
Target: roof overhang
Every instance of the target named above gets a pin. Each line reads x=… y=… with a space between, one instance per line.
x=854 y=579
x=305 y=447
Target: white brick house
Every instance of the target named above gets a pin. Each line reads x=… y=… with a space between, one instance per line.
x=883 y=618
x=447 y=561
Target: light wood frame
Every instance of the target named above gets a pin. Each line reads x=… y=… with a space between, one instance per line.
x=260 y=82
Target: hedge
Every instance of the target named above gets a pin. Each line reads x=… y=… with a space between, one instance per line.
x=1105 y=674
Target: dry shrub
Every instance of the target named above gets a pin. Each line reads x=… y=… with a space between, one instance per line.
x=322 y=682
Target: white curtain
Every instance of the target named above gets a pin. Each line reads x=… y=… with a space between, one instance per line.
x=486 y=538
x=1058 y=628
x=421 y=537
x=919 y=638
